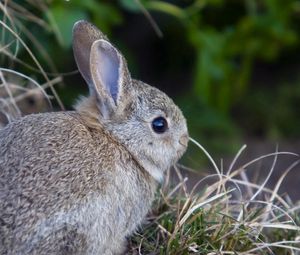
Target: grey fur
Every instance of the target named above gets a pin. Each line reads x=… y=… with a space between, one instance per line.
x=80 y=182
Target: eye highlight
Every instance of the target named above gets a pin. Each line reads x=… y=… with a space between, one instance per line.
x=159 y=125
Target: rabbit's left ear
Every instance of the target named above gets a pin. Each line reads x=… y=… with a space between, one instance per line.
x=110 y=78
x=84 y=35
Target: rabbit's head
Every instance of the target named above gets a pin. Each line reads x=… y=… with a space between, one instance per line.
x=142 y=118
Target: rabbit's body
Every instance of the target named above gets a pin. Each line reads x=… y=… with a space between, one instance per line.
x=58 y=199
x=80 y=182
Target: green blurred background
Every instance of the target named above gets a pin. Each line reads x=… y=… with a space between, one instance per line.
x=231 y=65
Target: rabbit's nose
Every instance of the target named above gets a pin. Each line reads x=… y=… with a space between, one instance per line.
x=184 y=140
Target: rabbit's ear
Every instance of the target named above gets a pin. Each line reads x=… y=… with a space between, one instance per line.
x=110 y=77
x=84 y=35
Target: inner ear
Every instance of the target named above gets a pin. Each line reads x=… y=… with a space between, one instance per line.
x=106 y=68
x=109 y=66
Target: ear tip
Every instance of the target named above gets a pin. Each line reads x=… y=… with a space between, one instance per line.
x=79 y=25
x=85 y=29
x=81 y=21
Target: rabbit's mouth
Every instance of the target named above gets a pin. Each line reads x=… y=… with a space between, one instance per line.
x=180 y=152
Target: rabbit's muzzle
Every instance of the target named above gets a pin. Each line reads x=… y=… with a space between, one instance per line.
x=183 y=143
x=184 y=140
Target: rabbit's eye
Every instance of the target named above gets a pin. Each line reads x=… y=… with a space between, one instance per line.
x=159 y=125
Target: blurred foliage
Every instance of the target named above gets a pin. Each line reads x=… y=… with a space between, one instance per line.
x=223 y=42
x=229 y=38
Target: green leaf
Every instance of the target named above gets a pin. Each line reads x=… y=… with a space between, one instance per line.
x=131 y=5
x=62 y=20
x=167 y=8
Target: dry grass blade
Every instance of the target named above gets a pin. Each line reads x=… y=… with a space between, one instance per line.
x=207 y=155
x=10 y=95
x=12 y=29
x=150 y=19
x=196 y=207
x=209 y=222
x=236 y=158
x=48 y=84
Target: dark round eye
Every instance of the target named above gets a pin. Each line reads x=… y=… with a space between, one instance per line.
x=159 y=125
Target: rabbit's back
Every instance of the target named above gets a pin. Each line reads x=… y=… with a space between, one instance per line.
x=61 y=179
x=43 y=151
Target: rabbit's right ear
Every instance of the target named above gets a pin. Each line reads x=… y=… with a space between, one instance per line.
x=103 y=68
x=111 y=79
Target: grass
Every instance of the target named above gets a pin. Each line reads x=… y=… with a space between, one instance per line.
x=19 y=93
x=230 y=216
x=15 y=37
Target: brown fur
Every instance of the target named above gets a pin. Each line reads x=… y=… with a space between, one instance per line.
x=80 y=182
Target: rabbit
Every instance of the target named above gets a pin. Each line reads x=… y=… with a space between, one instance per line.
x=82 y=181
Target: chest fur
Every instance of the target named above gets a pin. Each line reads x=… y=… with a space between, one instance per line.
x=106 y=217
x=124 y=204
